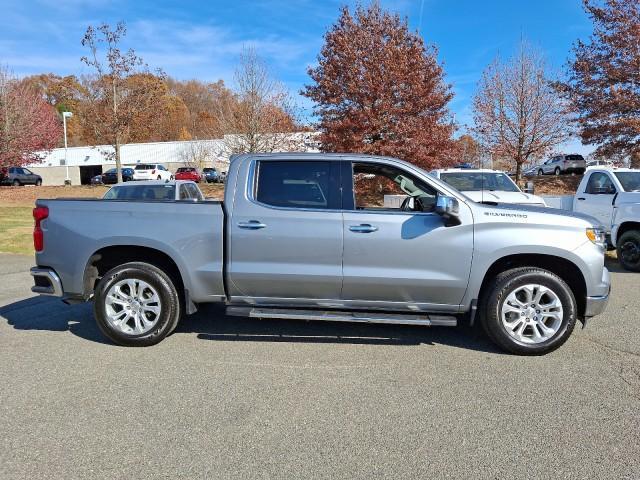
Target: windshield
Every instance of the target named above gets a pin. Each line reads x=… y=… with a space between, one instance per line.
x=630 y=181
x=141 y=192
x=477 y=181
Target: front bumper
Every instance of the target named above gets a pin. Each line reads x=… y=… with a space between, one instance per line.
x=595 y=305
x=47 y=282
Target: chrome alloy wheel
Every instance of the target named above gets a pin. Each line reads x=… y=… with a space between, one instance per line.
x=532 y=313
x=132 y=306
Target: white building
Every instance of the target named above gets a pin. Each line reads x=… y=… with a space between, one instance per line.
x=82 y=163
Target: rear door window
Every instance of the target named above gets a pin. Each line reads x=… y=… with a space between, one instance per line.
x=297 y=184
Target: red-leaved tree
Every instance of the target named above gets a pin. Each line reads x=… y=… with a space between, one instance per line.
x=379 y=90
x=604 y=79
x=29 y=126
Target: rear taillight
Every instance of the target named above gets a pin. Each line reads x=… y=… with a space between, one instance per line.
x=39 y=214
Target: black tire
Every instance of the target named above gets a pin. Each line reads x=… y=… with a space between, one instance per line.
x=556 y=171
x=628 y=250
x=492 y=303
x=169 y=301
x=540 y=172
x=16 y=183
x=38 y=182
x=159 y=177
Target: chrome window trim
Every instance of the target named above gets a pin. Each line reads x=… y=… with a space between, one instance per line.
x=252 y=185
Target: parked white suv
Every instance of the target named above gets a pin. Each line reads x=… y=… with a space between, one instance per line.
x=484 y=185
x=151 y=171
x=563 y=164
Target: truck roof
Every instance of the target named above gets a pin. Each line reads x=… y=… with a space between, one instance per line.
x=609 y=168
x=466 y=170
x=312 y=156
x=133 y=183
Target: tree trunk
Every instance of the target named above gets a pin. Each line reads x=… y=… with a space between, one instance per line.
x=118 y=162
x=518 y=171
x=635 y=160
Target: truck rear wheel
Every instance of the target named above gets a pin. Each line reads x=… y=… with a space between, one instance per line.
x=628 y=250
x=528 y=311
x=136 y=305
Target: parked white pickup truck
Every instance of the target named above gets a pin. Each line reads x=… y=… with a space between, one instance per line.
x=611 y=195
x=487 y=186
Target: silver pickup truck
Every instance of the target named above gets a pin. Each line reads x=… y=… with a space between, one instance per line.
x=307 y=236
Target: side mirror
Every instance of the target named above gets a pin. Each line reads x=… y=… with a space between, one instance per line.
x=449 y=209
x=529 y=188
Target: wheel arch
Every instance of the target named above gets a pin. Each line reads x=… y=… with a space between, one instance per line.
x=625 y=227
x=109 y=257
x=563 y=268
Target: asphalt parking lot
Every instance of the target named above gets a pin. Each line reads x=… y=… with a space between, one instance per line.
x=229 y=397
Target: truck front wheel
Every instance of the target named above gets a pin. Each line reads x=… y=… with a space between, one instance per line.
x=136 y=305
x=528 y=311
x=628 y=249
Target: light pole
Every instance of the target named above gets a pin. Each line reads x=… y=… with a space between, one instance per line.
x=66 y=115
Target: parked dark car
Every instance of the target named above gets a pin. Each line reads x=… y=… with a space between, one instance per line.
x=17 y=176
x=110 y=176
x=211 y=175
x=188 y=173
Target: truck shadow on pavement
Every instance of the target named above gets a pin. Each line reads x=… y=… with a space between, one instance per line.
x=211 y=323
x=50 y=314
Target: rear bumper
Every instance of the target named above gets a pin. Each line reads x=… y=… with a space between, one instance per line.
x=595 y=305
x=46 y=282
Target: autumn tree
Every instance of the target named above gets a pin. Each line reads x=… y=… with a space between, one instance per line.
x=380 y=90
x=517 y=112
x=64 y=93
x=115 y=99
x=604 y=79
x=262 y=113
x=203 y=102
x=29 y=127
x=468 y=150
x=165 y=117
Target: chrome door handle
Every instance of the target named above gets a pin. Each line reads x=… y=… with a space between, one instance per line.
x=252 y=225
x=363 y=228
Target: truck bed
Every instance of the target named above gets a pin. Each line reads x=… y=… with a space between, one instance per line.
x=189 y=233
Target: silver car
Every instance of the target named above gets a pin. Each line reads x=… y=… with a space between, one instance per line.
x=563 y=164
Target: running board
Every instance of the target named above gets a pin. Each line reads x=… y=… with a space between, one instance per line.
x=341 y=316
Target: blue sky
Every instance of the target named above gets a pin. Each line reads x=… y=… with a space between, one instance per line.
x=202 y=39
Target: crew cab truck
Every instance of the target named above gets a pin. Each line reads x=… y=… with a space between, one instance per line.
x=612 y=196
x=303 y=236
